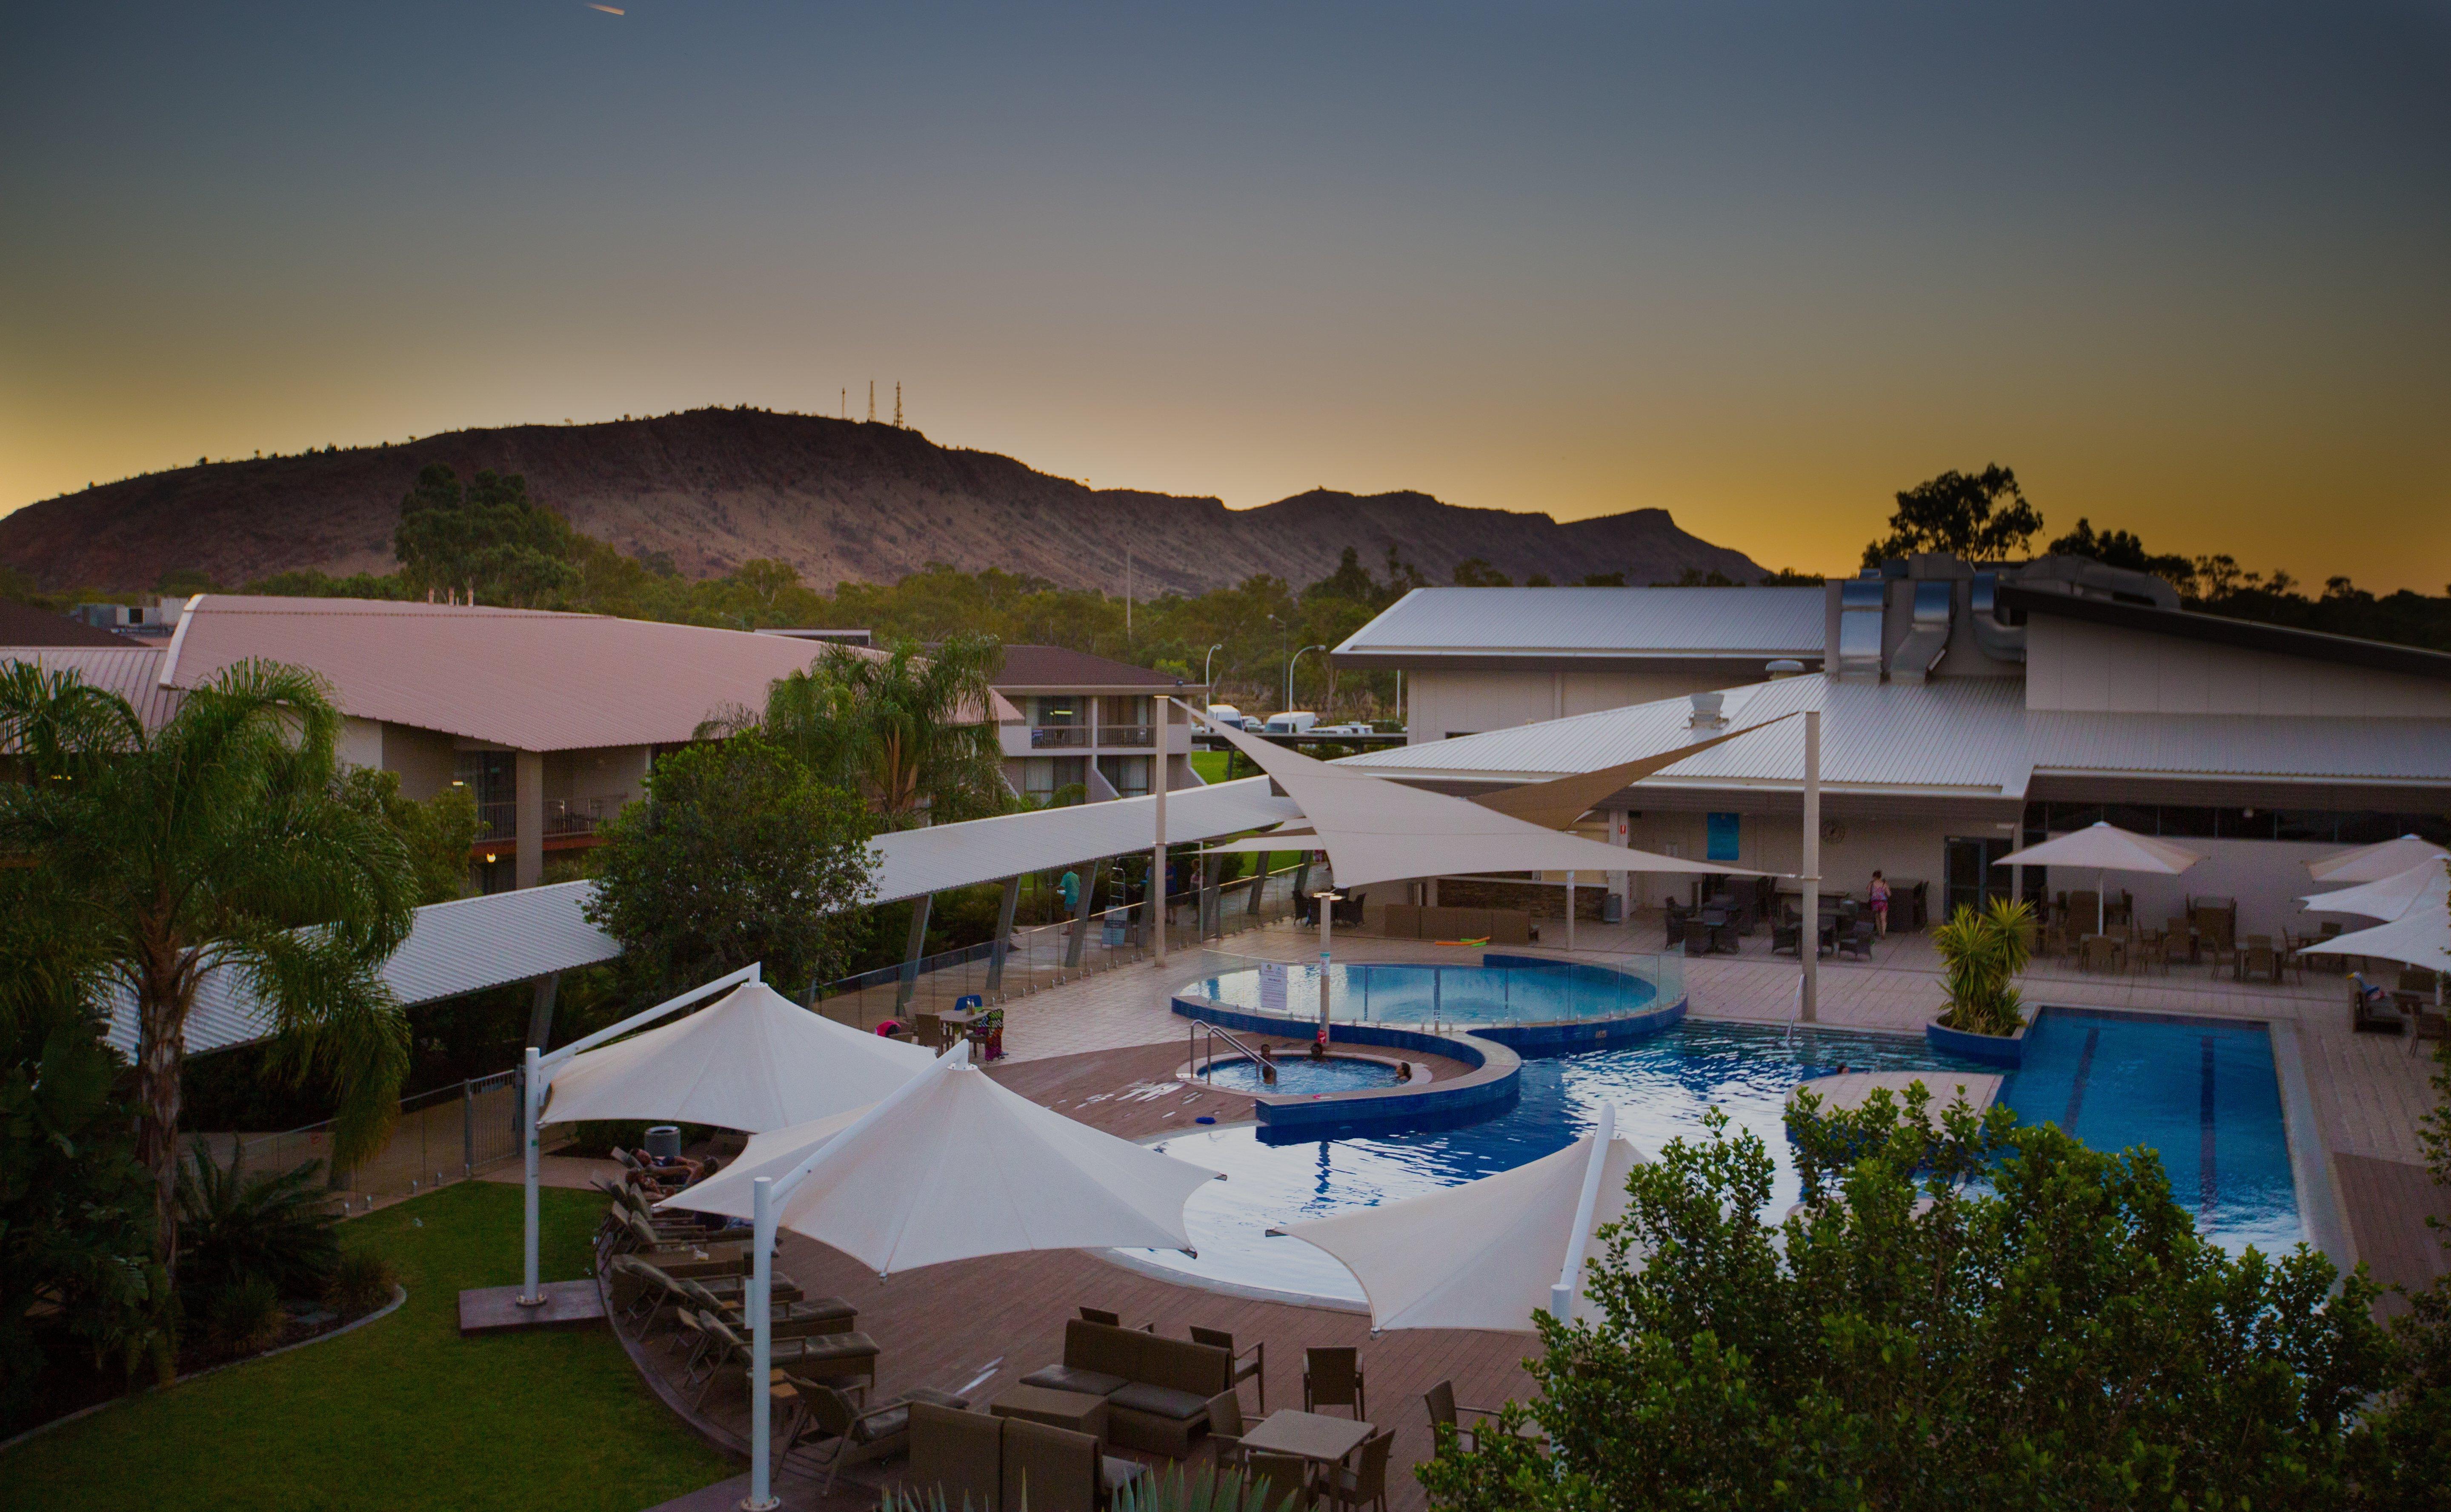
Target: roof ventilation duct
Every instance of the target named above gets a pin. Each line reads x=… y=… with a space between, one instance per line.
x=1859 y=629
x=1706 y=710
x=1927 y=641
x=2000 y=634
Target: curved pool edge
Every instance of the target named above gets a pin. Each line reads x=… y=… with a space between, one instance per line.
x=1495 y=1052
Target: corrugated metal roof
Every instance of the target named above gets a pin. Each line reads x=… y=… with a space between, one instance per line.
x=1951 y=736
x=520 y=677
x=22 y=624
x=463 y=946
x=910 y=862
x=1669 y=622
x=1060 y=667
x=132 y=671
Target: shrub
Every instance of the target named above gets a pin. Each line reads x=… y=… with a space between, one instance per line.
x=1169 y=1488
x=1981 y=954
x=244 y=1318
x=360 y=1283
x=234 y=1228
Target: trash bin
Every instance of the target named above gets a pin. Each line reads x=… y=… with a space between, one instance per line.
x=1612 y=907
x=664 y=1141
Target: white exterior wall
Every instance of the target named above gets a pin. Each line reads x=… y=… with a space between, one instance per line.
x=2074 y=665
x=1904 y=850
x=1470 y=702
x=2267 y=877
x=361 y=742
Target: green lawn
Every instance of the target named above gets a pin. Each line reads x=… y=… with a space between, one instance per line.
x=403 y=1413
x=1210 y=764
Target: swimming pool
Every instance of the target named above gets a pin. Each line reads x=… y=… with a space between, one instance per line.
x=1663 y=1086
x=1298 y=1075
x=1522 y=990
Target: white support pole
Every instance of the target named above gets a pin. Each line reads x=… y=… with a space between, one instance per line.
x=761 y=1347
x=1327 y=898
x=1810 y=947
x=1156 y=909
x=1570 y=912
x=1579 y=1242
x=531 y=1103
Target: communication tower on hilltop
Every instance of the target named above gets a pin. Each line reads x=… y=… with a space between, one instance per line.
x=897 y=406
x=872 y=400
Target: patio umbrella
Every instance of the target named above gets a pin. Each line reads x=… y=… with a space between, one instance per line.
x=2372 y=863
x=951 y=1167
x=753 y=1060
x=2106 y=848
x=1487 y=1254
x=2386 y=899
x=2421 y=936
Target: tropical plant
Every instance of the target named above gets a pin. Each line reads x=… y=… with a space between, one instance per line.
x=2058 y=1335
x=1168 y=1488
x=279 y=1227
x=220 y=843
x=243 y=1317
x=436 y=833
x=909 y=732
x=738 y=853
x=361 y=1282
x=1981 y=954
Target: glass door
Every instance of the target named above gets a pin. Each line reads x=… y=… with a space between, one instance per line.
x=1974 y=880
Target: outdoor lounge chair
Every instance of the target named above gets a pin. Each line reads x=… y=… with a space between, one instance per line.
x=1367 y=1480
x=1332 y=1378
x=823 y=1356
x=1441 y=1401
x=1255 y=1368
x=838 y=1430
x=2371 y=1008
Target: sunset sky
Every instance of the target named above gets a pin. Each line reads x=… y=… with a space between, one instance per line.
x=2187 y=269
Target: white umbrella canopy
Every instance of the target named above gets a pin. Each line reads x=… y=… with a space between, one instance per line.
x=1376 y=830
x=2386 y=899
x=951 y=1167
x=2106 y=847
x=2373 y=863
x=1481 y=1255
x=2421 y=936
x=753 y=1060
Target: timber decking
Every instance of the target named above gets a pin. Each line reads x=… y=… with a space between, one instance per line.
x=2388 y=1203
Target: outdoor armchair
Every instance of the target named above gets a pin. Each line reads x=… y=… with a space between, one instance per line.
x=1443 y=1411
x=1367 y=1480
x=1253 y=1368
x=1332 y=1378
x=1287 y=1477
x=1226 y=1426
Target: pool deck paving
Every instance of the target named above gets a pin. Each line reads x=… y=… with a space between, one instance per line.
x=1104 y=1049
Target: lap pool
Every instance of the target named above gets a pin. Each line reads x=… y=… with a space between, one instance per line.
x=2202 y=1094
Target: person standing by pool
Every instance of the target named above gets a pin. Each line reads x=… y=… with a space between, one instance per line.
x=1879 y=893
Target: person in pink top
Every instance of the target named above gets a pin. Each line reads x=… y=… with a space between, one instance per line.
x=1879 y=893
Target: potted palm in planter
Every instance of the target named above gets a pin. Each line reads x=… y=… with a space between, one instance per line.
x=1981 y=954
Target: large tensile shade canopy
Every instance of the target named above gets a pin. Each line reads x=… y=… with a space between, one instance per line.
x=951 y=1167
x=1487 y=1254
x=2372 y=863
x=2421 y=936
x=754 y=1061
x=1375 y=830
x=2388 y=898
x=2106 y=847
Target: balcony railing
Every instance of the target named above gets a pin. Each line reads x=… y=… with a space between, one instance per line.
x=1059 y=737
x=1126 y=735
x=499 y=821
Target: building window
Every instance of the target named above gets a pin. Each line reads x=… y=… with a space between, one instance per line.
x=1059 y=709
x=1043 y=779
x=1128 y=776
x=492 y=778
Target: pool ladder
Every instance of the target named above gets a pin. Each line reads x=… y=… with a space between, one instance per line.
x=1216 y=1032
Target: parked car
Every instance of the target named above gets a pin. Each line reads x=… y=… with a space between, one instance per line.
x=1294 y=722
x=1354 y=728
x=1226 y=713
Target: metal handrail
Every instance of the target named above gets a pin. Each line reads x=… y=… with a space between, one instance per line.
x=1192 y=1044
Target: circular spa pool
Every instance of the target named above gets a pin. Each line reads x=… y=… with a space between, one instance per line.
x=1533 y=992
x=1299 y=1075
x=1662 y=1087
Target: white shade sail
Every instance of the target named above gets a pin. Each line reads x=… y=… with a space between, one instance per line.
x=1481 y=1255
x=2386 y=899
x=2106 y=847
x=2373 y=863
x=1375 y=830
x=2421 y=936
x=953 y=1165
x=753 y=1060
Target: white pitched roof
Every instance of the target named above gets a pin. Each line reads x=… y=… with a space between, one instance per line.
x=1667 y=623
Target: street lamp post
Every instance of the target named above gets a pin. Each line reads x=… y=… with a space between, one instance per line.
x=1289 y=673
x=1206 y=681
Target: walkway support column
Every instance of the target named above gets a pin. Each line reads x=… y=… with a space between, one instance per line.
x=1003 y=945
x=1081 y=916
x=540 y=1010
x=1809 y=999
x=920 y=908
x=1570 y=912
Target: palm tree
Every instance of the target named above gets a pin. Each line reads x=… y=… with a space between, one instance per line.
x=911 y=734
x=220 y=842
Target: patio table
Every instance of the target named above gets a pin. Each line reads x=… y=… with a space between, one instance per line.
x=1308 y=1436
x=1080 y=1411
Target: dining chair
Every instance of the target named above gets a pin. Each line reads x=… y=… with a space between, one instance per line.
x=1332 y=1378
x=1367 y=1480
x=1253 y=1370
x=1287 y=1477
x=1444 y=1414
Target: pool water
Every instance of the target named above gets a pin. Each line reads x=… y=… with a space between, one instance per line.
x=1298 y=1074
x=2144 y=1083
x=1538 y=993
x=2202 y=1094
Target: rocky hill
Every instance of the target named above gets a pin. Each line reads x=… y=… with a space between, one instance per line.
x=835 y=499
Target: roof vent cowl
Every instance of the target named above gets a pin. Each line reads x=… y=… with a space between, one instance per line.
x=1706 y=710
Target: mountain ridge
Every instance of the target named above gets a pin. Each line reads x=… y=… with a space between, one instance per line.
x=835 y=499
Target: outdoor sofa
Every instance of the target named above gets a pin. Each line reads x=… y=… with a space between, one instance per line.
x=989 y=1464
x=1157 y=1389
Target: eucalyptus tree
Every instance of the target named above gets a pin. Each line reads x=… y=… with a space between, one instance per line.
x=222 y=842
